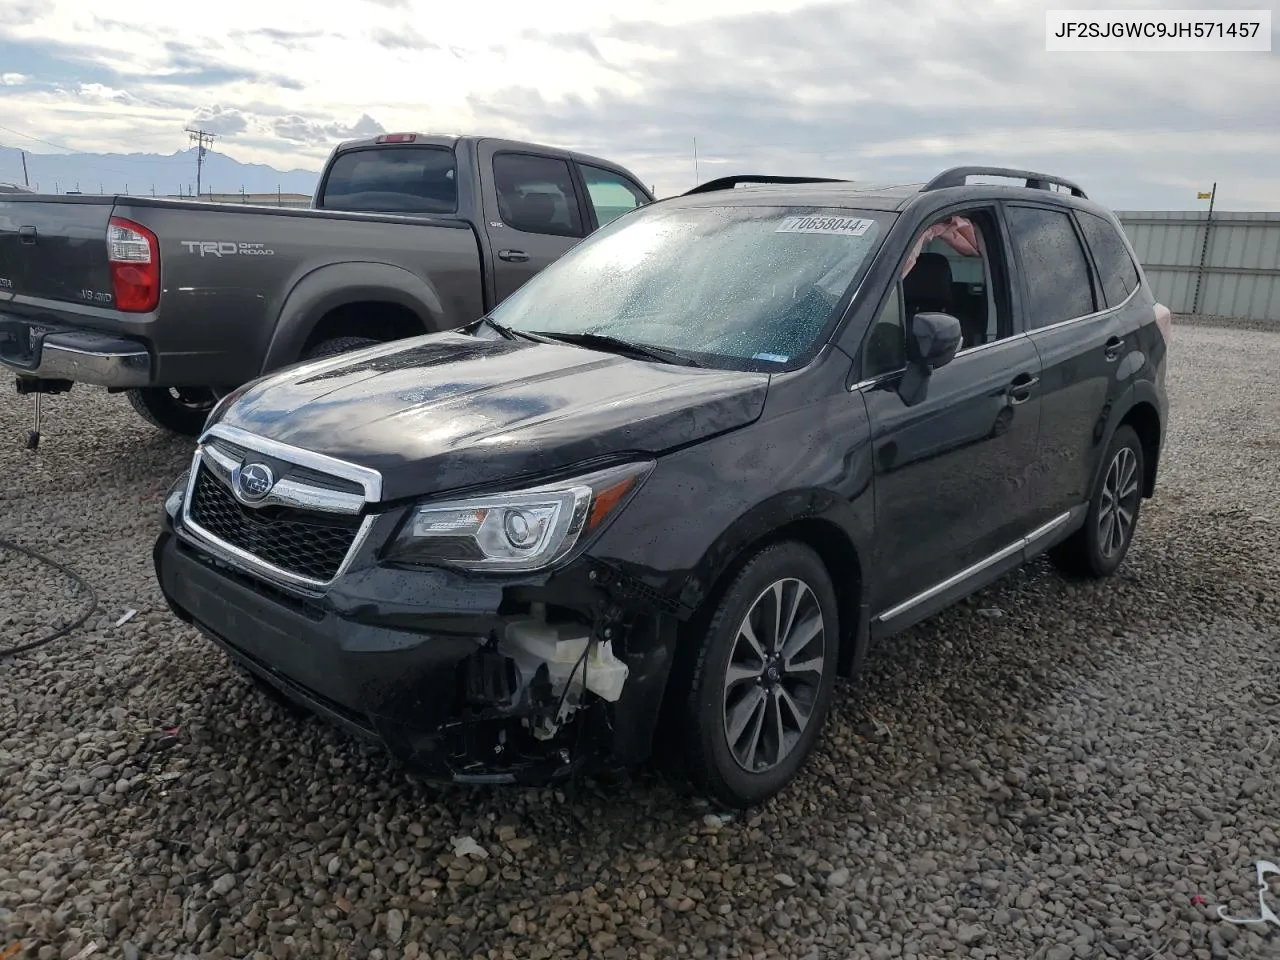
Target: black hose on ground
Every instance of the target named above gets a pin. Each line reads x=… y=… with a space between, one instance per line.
x=66 y=571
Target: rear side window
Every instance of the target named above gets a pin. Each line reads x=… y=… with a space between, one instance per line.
x=1115 y=267
x=536 y=195
x=393 y=180
x=1053 y=265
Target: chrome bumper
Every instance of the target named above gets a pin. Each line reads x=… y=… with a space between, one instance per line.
x=82 y=357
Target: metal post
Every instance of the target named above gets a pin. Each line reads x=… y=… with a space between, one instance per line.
x=25 y=179
x=696 y=178
x=1204 y=251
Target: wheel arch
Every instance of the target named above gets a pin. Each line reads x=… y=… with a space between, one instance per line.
x=329 y=297
x=1143 y=417
x=821 y=533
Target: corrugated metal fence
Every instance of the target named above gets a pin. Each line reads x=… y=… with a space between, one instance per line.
x=1227 y=267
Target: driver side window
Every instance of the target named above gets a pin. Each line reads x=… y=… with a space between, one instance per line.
x=953 y=266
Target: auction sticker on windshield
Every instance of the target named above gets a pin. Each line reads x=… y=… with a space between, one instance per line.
x=842 y=226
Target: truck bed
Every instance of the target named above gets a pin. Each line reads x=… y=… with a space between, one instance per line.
x=230 y=273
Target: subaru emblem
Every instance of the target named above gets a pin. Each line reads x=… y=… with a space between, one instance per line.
x=253 y=481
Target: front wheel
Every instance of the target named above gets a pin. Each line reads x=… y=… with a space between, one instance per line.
x=180 y=410
x=1096 y=549
x=763 y=679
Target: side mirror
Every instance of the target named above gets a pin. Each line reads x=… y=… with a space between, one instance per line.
x=932 y=342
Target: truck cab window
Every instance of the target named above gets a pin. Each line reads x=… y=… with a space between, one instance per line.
x=536 y=194
x=393 y=180
x=610 y=194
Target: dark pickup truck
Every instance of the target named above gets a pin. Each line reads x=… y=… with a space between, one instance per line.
x=178 y=302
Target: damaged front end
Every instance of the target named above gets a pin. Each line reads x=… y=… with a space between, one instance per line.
x=552 y=691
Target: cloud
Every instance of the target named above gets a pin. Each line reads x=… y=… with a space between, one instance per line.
x=13 y=79
x=855 y=88
x=301 y=130
x=402 y=38
x=223 y=121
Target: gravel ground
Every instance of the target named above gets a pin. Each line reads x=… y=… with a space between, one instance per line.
x=1052 y=770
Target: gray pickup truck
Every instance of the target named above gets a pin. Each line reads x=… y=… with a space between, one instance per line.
x=178 y=302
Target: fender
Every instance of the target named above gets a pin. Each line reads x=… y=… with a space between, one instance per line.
x=843 y=529
x=1139 y=391
x=335 y=285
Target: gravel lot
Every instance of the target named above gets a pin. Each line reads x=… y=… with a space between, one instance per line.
x=1053 y=770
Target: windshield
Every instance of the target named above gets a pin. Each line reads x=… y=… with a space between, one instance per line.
x=748 y=287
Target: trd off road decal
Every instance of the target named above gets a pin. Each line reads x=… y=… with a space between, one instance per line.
x=226 y=248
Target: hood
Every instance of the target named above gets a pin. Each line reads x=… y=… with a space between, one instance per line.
x=452 y=410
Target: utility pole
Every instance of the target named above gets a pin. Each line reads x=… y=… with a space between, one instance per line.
x=1204 y=247
x=25 y=179
x=203 y=141
x=696 y=179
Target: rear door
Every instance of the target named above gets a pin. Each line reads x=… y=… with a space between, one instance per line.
x=533 y=211
x=1081 y=340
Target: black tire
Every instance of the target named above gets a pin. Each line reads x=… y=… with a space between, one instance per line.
x=337 y=345
x=180 y=410
x=711 y=763
x=1090 y=552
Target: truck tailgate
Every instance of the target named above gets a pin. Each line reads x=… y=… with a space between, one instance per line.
x=55 y=248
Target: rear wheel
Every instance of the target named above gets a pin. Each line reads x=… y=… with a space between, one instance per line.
x=761 y=685
x=1097 y=548
x=180 y=410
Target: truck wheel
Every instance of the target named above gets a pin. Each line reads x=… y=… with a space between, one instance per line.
x=180 y=410
x=337 y=345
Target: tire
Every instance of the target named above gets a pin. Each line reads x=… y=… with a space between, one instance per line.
x=1097 y=549
x=337 y=345
x=180 y=410
x=737 y=775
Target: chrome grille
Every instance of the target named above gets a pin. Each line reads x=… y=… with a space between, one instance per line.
x=310 y=545
x=302 y=532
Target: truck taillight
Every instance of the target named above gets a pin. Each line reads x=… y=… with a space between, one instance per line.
x=397 y=138
x=134 y=254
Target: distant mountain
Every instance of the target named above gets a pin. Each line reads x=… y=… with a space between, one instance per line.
x=144 y=173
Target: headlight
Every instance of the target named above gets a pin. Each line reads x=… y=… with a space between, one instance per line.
x=521 y=530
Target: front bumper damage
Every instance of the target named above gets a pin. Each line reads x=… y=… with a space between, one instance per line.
x=478 y=681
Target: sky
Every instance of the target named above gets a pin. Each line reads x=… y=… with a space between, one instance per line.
x=858 y=89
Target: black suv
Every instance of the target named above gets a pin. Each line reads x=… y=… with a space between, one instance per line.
x=670 y=489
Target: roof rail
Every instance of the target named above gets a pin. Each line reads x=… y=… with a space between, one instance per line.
x=958 y=176
x=728 y=183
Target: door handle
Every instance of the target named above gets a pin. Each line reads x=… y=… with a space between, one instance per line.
x=27 y=235
x=1020 y=388
x=513 y=256
x=1112 y=348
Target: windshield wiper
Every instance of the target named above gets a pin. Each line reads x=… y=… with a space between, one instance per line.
x=513 y=334
x=604 y=341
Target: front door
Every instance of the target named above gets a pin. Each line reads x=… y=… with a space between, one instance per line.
x=532 y=212
x=953 y=471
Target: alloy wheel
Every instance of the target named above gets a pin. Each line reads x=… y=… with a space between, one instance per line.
x=1119 y=504
x=773 y=675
